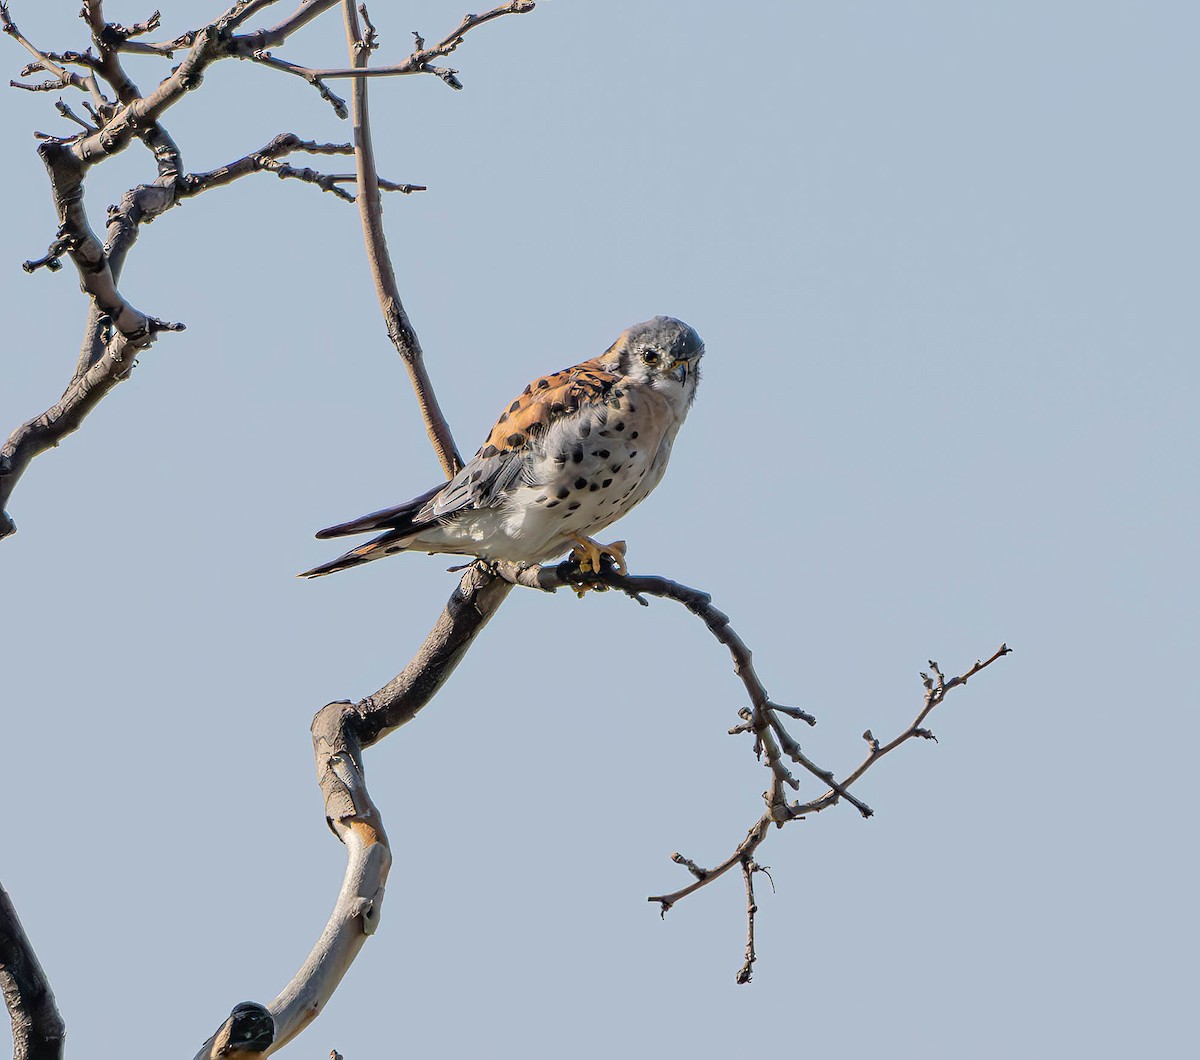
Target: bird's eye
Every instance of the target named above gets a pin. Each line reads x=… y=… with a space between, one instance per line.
x=651 y=357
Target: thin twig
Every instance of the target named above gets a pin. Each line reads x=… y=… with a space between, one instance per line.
x=63 y=78
x=419 y=62
x=749 y=868
x=265 y=58
x=763 y=719
x=70 y=115
x=370 y=208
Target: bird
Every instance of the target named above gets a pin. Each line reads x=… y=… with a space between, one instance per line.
x=573 y=453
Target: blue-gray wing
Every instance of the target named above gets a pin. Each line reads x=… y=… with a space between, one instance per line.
x=497 y=468
x=483 y=483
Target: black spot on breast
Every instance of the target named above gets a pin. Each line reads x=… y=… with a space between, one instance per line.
x=542 y=499
x=543 y=384
x=577 y=455
x=619 y=425
x=615 y=403
x=604 y=434
x=585 y=428
x=632 y=435
x=580 y=483
x=606 y=483
x=572 y=506
x=552 y=504
x=516 y=404
x=593 y=487
x=603 y=454
x=503 y=417
x=632 y=453
x=616 y=467
x=563 y=493
x=515 y=439
x=488 y=451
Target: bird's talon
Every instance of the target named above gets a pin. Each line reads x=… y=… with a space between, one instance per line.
x=616 y=552
x=590 y=555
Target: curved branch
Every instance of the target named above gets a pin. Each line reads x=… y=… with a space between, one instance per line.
x=763 y=719
x=340 y=732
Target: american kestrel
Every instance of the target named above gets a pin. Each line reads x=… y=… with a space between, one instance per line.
x=573 y=453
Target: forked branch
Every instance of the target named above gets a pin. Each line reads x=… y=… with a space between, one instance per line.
x=763 y=719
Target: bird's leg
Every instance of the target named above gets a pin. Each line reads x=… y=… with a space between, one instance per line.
x=589 y=554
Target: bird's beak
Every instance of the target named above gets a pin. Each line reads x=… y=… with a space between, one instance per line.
x=679 y=371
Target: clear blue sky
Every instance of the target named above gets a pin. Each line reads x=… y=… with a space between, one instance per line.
x=944 y=258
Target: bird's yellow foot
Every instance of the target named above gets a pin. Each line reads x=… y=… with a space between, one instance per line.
x=590 y=555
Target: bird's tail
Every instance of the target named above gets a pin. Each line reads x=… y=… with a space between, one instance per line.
x=401 y=517
x=401 y=524
x=383 y=545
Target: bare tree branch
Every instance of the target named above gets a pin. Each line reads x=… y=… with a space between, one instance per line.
x=370 y=208
x=245 y=45
x=762 y=719
x=104 y=360
x=419 y=62
x=62 y=78
x=749 y=868
x=116 y=332
x=37 y=1028
x=341 y=731
x=265 y=58
x=266 y=160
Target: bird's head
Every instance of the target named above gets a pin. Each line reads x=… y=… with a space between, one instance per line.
x=663 y=353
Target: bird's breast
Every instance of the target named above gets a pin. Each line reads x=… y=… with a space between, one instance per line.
x=593 y=467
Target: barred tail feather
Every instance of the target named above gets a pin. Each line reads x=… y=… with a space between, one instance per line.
x=384 y=545
x=400 y=517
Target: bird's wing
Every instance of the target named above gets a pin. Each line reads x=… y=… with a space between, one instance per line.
x=496 y=468
x=547 y=400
